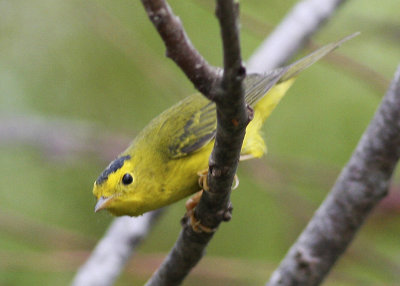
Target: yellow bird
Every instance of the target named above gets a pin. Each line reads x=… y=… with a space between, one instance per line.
x=161 y=165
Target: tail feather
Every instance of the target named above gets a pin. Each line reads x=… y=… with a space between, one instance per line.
x=295 y=68
x=257 y=85
x=264 y=92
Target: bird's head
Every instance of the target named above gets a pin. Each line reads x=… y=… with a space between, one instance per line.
x=115 y=188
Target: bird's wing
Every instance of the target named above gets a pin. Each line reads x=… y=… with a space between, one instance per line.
x=199 y=114
x=199 y=129
x=201 y=121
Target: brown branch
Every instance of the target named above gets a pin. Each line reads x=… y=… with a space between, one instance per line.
x=179 y=48
x=232 y=119
x=363 y=182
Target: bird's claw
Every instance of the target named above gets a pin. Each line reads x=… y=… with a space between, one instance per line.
x=193 y=202
x=203 y=180
x=194 y=222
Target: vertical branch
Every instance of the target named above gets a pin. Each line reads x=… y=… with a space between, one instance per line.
x=232 y=119
x=363 y=182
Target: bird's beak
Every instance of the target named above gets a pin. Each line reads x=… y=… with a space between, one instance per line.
x=102 y=203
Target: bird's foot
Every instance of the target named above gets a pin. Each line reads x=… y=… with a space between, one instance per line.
x=203 y=180
x=193 y=202
x=194 y=222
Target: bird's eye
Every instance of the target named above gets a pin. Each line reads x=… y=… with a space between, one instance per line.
x=127 y=179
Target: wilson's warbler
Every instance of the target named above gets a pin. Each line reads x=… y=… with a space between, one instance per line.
x=161 y=165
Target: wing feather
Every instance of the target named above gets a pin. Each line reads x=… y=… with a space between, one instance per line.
x=200 y=119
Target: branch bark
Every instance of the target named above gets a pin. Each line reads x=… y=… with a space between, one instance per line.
x=179 y=48
x=232 y=119
x=363 y=182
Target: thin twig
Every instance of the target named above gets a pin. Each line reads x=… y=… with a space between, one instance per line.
x=61 y=138
x=292 y=33
x=179 y=48
x=112 y=252
x=363 y=182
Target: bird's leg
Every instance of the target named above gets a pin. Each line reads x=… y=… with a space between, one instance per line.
x=203 y=180
x=193 y=202
x=194 y=222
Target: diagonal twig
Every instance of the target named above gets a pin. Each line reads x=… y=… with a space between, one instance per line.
x=179 y=48
x=363 y=182
x=112 y=252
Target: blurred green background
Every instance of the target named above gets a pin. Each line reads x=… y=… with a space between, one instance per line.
x=78 y=80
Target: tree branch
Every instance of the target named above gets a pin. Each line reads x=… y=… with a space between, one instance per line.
x=232 y=119
x=58 y=137
x=179 y=48
x=292 y=33
x=112 y=252
x=363 y=182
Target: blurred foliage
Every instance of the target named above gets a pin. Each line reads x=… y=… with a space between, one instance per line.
x=102 y=64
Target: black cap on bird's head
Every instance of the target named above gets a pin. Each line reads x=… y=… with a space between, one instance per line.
x=103 y=188
x=113 y=167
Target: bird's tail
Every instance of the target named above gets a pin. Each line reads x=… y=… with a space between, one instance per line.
x=264 y=92
x=295 y=68
x=267 y=90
